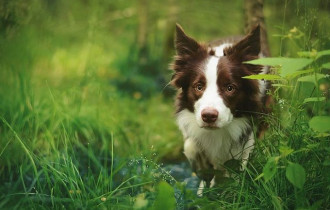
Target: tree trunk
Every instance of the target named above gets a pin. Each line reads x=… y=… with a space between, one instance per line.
x=172 y=12
x=142 y=30
x=254 y=15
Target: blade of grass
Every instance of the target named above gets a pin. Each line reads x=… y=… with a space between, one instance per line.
x=28 y=153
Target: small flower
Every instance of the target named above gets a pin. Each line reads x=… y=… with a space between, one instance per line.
x=324 y=88
x=294 y=30
x=103 y=199
x=313 y=53
x=137 y=95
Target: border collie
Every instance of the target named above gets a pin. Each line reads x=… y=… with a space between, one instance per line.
x=215 y=105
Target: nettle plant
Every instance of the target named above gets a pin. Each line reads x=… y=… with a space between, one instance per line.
x=310 y=68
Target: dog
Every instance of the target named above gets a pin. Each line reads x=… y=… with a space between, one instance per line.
x=216 y=107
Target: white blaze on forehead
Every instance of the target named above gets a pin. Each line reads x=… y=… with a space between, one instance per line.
x=219 y=50
x=211 y=97
x=211 y=74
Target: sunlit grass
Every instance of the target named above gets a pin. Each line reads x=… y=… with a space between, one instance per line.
x=85 y=123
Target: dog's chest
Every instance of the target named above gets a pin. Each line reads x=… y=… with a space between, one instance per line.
x=218 y=145
x=222 y=146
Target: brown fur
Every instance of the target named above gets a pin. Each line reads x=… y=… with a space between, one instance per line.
x=189 y=62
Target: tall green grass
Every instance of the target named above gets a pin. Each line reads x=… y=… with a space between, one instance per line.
x=84 y=125
x=60 y=152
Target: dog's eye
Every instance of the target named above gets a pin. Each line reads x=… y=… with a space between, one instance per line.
x=199 y=87
x=230 y=88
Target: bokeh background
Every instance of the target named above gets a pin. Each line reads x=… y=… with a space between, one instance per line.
x=84 y=81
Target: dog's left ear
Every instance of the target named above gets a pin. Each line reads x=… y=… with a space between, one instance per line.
x=246 y=49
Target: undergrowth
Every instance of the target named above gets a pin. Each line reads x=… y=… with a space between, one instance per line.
x=82 y=128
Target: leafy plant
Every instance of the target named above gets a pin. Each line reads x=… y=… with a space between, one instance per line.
x=287 y=69
x=296 y=174
x=297 y=72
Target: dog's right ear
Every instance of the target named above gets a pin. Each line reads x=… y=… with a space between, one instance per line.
x=184 y=44
x=186 y=48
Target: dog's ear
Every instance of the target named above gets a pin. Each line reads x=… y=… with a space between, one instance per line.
x=188 y=51
x=186 y=47
x=184 y=44
x=248 y=46
x=246 y=49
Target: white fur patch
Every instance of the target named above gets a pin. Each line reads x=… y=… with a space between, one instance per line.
x=219 y=50
x=220 y=144
x=248 y=147
x=190 y=149
x=262 y=83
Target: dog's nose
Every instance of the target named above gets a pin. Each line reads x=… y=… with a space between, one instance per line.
x=209 y=115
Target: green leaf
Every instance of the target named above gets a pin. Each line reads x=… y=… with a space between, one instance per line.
x=326 y=66
x=270 y=168
x=326 y=162
x=165 y=198
x=313 y=53
x=322 y=135
x=288 y=65
x=307 y=54
x=322 y=53
x=285 y=151
x=263 y=77
x=320 y=123
x=259 y=176
x=276 y=61
x=282 y=85
x=295 y=173
x=314 y=99
x=298 y=73
x=313 y=146
x=312 y=78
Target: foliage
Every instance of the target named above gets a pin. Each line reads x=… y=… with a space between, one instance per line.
x=165 y=198
x=296 y=175
x=87 y=120
x=287 y=69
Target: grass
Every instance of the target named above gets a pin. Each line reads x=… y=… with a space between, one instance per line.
x=84 y=125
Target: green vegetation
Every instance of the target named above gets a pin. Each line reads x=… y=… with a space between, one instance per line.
x=87 y=118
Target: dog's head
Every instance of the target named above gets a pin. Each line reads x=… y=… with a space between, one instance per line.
x=210 y=79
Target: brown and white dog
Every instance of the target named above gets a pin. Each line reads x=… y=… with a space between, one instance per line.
x=215 y=105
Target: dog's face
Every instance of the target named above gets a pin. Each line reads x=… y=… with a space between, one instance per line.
x=211 y=80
